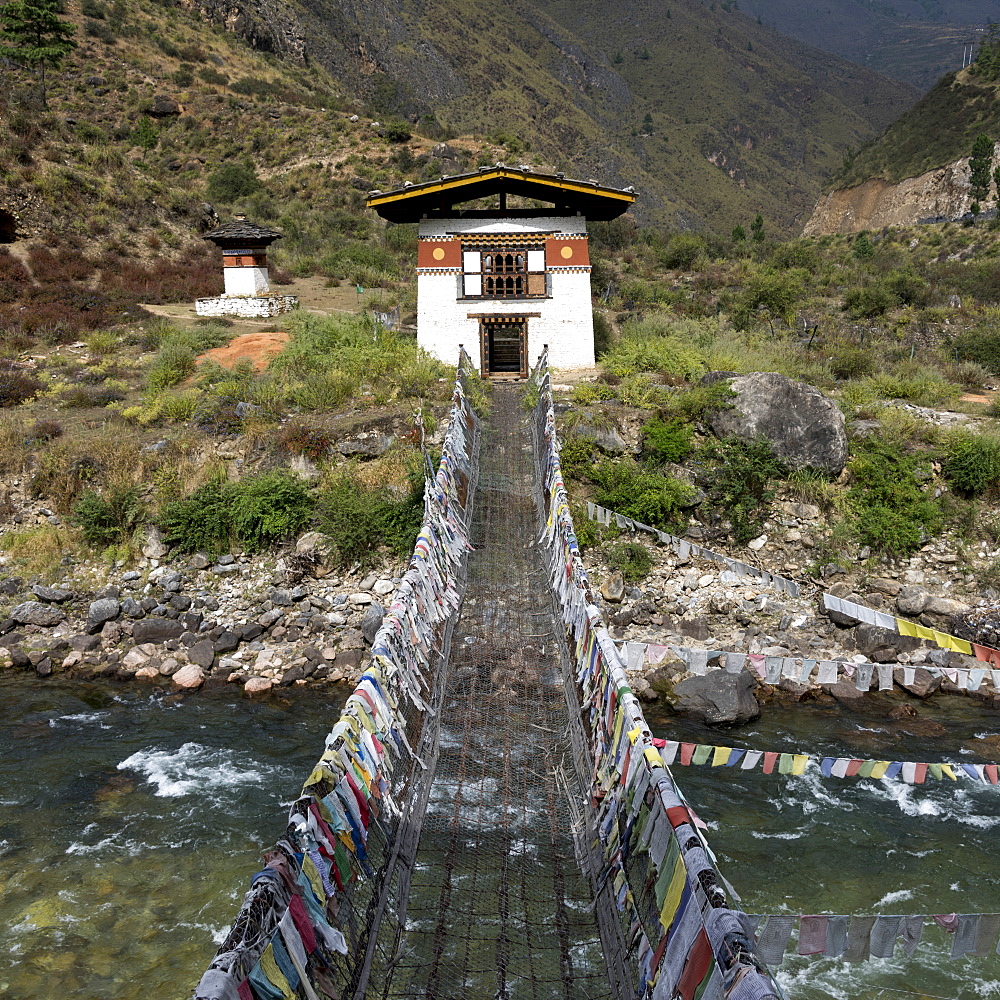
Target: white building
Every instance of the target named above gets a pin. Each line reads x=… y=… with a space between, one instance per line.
x=504 y=281
x=244 y=267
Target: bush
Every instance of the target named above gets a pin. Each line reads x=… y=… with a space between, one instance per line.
x=576 y=457
x=891 y=513
x=665 y=441
x=649 y=497
x=972 y=462
x=15 y=386
x=45 y=430
x=852 y=362
x=652 y=345
x=255 y=512
x=603 y=335
x=173 y=363
x=982 y=345
x=232 y=181
x=773 y=293
x=698 y=401
x=631 y=559
x=359 y=519
x=302 y=439
x=868 y=301
x=740 y=483
x=111 y=518
x=681 y=252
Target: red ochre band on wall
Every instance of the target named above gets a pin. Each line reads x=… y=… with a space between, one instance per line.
x=245 y=260
x=563 y=252
x=439 y=253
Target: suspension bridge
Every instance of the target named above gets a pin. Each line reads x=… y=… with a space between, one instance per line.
x=490 y=819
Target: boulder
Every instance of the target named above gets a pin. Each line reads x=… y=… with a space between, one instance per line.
x=366 y=447
x=51 y=595
x=607 y=438
x=189 y=676
x=105 y=609
x=911 y=600
x=924 y=682
x=846 y=692
x=613 y=589
x=804 y=427
x=942 y=612
x=881 y=645
x=153 y=547
x=156 y=630
x=165 y=107
x=257 y=685
x=372 y=621
x=202 y=653
x=132 y=609
x=719 y=698
x=36 y=613
x=227 y=642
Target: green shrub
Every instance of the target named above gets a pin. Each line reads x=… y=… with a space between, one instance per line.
x=868 y=301
x=360 y=519
x=631 y=559
x=172 y=364
x=972 y=462
x=637 y=351
x=111 y=518
x=740 y=481
x=255 y=512
x=698 y=401
x=852 y=362
x=648 y=497
x=772 y=293
x=591 y=392
x=232 y=181
x=298 y=438
x=665 y=441
x=269 y=508
x=681 y=252
x=576 y=456
x=982 y=345
x=890 y=512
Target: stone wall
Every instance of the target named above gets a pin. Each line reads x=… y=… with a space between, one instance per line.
x=247 y=306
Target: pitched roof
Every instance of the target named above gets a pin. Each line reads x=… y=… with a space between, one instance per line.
x=412 y=202
x=240 y=229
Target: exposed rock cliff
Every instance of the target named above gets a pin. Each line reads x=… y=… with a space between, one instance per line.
x=935 y=195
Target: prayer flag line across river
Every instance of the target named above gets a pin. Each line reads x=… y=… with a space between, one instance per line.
x=770 y=762
x=857 y=938
x=801 y=669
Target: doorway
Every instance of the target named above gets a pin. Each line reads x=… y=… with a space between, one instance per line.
x=504 y=346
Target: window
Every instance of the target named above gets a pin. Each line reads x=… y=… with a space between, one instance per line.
x=505 y=272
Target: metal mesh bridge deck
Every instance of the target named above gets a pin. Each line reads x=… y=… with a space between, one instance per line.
x=498 y=905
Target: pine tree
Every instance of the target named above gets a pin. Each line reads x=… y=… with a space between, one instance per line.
x=739 y=234
x=145 y=135
x=757 y=229
x=980 y=169
x=34 y=35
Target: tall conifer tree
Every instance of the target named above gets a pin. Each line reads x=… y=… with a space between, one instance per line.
x=34 y=36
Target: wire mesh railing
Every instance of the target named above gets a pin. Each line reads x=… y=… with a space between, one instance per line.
x=318 y=920
x=681 y=937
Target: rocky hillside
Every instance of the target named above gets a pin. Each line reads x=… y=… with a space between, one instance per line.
x=709 y=114
x=919 y=168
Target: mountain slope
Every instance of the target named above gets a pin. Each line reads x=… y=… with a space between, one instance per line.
x=909 y=40
x=743 y=119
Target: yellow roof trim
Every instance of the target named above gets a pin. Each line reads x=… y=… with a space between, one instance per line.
x=478 y=178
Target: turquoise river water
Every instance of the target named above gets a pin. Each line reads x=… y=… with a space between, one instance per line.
x=130 y=824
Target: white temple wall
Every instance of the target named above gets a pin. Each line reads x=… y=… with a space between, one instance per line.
x=246 y=280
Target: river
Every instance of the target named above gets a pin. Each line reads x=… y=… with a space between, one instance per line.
x=130 y=824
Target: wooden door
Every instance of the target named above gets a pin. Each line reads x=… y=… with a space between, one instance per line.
x=504 y=346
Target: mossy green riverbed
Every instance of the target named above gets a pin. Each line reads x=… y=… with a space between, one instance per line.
x=131 y=823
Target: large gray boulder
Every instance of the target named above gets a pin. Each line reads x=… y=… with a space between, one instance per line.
x=718 y=697
x=36 y=613
x=804 y=427
x=105 y=609
x=156 y=630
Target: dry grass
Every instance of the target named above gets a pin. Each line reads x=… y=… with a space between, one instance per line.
x=39 y=551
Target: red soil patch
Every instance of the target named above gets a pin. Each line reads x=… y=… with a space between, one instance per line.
x=259 y=348
x=971 y=397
